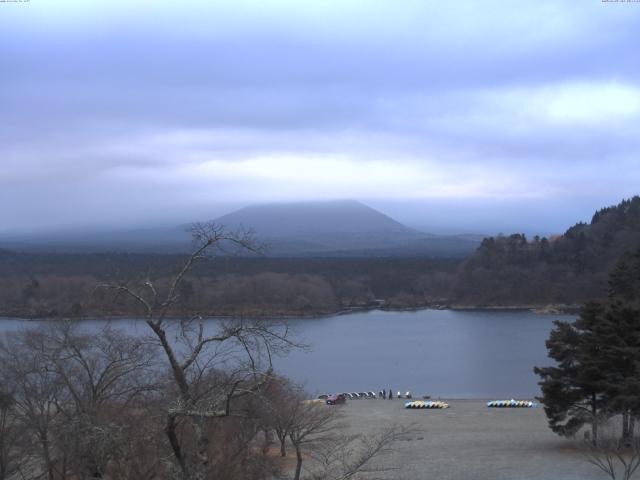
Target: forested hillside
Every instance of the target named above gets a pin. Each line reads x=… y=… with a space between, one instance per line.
x=571 y=268
x=64 y=284
x=505 y=271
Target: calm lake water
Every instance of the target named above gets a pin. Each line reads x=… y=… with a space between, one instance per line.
x=447 y=353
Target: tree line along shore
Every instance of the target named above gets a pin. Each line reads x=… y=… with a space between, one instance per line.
x=116 y=406
x=507 y=271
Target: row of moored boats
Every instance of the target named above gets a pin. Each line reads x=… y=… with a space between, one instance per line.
x=418 y=404
x=437 y=404
x=492 y=404
x=350 y=395
x=511 y=404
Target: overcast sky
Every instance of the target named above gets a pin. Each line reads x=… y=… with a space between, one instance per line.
x=450 y=115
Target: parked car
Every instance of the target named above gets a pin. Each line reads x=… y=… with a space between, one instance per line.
x=371 y=395
x=363 y=395
x=324 y=396
x=355 y=396
x=336 y=399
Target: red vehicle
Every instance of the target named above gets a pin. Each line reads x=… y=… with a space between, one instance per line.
x=336 y=399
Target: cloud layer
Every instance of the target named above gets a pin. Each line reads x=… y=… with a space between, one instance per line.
x=128 y=112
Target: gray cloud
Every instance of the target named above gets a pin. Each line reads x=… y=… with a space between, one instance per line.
x=120 y=112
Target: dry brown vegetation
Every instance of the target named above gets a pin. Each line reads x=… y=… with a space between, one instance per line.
x=181 y=402
x=504 y=271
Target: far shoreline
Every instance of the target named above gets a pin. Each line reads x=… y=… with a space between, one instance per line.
x=547 y=309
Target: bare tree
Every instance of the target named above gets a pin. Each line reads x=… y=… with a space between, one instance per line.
x=317 y=431
x=99 y=406
x=311 y=424
x=236 y=441
x=618 y=457
x=102 y=374
x=71 y=392
x=10 y=436
x=138 y=449
x=100 y=368
x=243 y=348
x=37 y=391
x=281 y=399
x=348 y=455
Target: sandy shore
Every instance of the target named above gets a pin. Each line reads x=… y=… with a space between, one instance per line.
x=472 y=442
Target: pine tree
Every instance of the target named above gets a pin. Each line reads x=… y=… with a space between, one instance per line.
x=573 y=391
x=597 y=371
x=624 y=279
x=618 y=334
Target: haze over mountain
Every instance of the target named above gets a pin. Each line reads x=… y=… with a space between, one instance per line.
x=340 y=227
x=344 y=227
x=319 y=226
x=315 y=218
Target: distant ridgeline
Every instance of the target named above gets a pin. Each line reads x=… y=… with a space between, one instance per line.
x=507 y=271
x=570 y=269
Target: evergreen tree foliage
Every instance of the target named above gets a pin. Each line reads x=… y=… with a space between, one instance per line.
x=597 y=371
x=571 y=268
x=573 y=390
x=624 y=280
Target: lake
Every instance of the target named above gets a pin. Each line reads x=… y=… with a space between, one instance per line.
x=443 y=353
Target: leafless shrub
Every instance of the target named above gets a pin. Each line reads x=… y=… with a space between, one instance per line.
x=345 y=456
x=72 y=393
x=616 y=456
x=10 y=437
